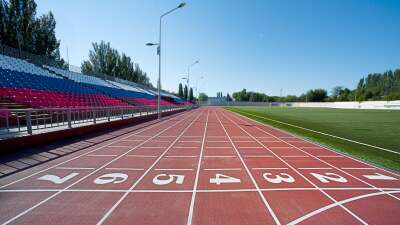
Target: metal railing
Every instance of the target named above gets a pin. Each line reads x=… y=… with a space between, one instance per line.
x=21 y=122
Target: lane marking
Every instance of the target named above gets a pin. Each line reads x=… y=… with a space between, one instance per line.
x=326 y=134
x=294 y=169
x=133 y=140
x=151 y=147
x=219 y=156
x=189 y=141
x=295 y=156
x=330 y=156
x=325 y=148
x=89 y=174
x=208 y=147
x=119 y=146
x=199 y=190
x=102 y=155
x=108 y=213
x=339 y=203
x=143 y=129
x=269 y=208
x=74 y=168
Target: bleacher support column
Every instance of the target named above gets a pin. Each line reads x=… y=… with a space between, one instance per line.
x=94 y=116
x=69 y=118
x=108 y=114
x=29 y=122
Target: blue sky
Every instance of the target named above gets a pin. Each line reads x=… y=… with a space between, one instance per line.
x=259 y=45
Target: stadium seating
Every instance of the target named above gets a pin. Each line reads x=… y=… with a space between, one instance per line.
x=45 y=86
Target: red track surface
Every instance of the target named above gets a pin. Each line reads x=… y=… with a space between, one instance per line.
x=207 y=166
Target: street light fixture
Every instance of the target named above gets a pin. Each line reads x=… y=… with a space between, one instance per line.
x=159 y=56
x=188 y=75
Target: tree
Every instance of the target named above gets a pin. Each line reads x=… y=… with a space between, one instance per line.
x=203 y=97
x=103 y=59
x=191 y=94
x=317 y=95
x=20 y=28
x=185 y=92
x=180 y=90
x=228 y=98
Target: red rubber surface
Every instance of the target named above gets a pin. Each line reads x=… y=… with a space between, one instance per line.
x=207 y=166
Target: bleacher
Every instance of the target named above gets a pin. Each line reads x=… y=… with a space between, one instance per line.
x=46 y=87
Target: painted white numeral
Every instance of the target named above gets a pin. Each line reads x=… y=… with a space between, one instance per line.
x=114 y=178
x=56 y=179
x=283 y=177
x=169 y=178
x=329 y=177
x=378 y=176
x=223 y=179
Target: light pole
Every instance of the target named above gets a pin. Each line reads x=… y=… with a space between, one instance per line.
x=159 y=57
x=197 y=81
x=188 y=75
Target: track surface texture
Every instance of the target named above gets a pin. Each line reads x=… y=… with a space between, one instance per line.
x=205 y=166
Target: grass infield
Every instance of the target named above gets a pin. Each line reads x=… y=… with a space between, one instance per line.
x=379 y=128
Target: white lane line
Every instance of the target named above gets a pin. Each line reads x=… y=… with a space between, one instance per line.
x=244 y=141
x=329 y=156
x=196 y=180
x=161 y=141
x=167 y=169
x=271 y=212
x=108 y=213
x=181 y=156
x=294 y=169
x=227 y=169
x=288 y=147
x=133 y=169
x=219 y=156
x=270 y=168
x=86 y=176
x=189 y=141
x=102 y=155
x=319 y=159
x=358 y=168
x=143 y=156
x=192 y=136
x=314 y=168
x=217 y=141
x=199 y=190
x=339 y=203
x=249 y=147
x=213 y=136
x=258 y=156
x=74 y=168
x=326 y=134
x=119 y=146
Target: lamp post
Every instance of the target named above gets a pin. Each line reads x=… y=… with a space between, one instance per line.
x=159 y=57
x=188 y=75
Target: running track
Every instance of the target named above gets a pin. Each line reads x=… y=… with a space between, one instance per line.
x=206 y=166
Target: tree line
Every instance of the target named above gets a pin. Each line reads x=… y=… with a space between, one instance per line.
x=103 y=59
x=376 y=86
x=22 y=29
x=183 y=92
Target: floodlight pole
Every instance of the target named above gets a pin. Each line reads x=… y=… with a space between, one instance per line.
x=188 y=77
x=159 y=57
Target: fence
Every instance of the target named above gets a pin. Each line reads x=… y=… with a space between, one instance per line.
x=20 y=122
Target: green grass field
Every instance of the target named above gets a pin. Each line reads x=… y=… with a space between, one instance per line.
x=380 y=128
